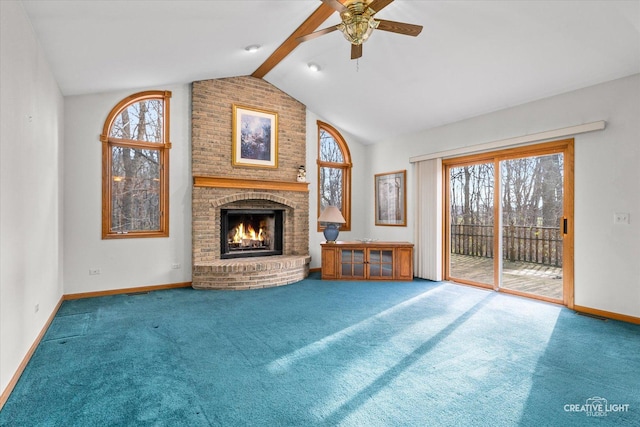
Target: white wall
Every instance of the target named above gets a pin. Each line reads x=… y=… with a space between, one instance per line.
x=123 y=263
x=31 y=120
x=607 y=179
x=359 y=182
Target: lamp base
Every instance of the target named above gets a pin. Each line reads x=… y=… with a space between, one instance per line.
x=331 y=232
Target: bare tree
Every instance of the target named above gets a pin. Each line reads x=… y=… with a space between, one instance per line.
x=331 y=178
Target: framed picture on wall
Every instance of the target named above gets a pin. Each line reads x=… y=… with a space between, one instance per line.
x=390 y=198
x=255 y=137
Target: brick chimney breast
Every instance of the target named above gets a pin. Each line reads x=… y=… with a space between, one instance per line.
x=211 y=133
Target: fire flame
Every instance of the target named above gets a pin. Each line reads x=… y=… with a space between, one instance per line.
x=248 y=233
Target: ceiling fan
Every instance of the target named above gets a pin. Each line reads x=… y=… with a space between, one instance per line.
x=358 y=23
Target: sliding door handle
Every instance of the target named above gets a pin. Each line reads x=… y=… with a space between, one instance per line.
x=565 y=225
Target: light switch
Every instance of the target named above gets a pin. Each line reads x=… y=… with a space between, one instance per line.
x=621 y=218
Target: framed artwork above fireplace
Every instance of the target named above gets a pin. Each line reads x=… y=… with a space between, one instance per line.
x=255 y=137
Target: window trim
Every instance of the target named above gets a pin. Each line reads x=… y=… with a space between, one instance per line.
x=346 y=175
x=163 y=147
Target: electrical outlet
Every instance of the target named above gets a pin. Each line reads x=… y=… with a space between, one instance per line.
x=94 y=271
x=175 y=266
x=621 y=218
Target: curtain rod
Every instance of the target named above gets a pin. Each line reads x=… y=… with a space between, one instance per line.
x=509 y=142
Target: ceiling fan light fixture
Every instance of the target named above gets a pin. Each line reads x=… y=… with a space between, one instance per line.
x=357 y=23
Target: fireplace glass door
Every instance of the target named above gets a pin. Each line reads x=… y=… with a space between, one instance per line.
x=250 y=232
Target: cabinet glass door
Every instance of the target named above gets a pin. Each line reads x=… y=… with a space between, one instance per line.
x=380 y=263
x=352 y=263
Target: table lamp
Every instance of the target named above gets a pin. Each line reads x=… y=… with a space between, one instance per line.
x=332 y=218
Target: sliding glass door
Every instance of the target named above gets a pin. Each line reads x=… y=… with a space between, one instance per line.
x=509 y=216
x=532 y=225
x=471 y=223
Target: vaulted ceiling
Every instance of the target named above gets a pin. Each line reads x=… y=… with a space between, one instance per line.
x=472 y=57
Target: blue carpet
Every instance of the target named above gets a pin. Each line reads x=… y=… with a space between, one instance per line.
x=328 y=353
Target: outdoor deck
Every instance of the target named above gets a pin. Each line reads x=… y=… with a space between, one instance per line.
x=519 y=276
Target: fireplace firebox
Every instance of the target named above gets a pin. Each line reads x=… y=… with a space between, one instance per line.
x=250 y=232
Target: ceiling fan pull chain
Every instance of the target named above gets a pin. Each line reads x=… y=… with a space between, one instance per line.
x=358 y=65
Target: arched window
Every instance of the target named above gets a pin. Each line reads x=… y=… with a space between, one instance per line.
x=135 y=167
x=334 y=173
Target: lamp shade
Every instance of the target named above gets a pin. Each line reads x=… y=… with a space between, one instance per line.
x=331 y=214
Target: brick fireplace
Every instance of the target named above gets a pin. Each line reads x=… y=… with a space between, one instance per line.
x=220 y=187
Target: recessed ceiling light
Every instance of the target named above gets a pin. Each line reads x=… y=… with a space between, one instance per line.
x=252 y=48
x=313 y=67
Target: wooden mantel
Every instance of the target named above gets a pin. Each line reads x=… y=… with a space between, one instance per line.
x=258 y=184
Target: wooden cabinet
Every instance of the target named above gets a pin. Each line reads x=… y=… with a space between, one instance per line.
x=367 y=261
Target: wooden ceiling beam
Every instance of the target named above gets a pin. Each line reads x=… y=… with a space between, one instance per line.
x=320 y=15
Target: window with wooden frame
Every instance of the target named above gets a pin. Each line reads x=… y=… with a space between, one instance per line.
x=334 y=173
x=135 y=167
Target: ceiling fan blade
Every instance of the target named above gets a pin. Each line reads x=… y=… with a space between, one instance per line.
x=335 y=5
x=378 y=5
x=399 y=27
x=356 y=51
x=316 y=34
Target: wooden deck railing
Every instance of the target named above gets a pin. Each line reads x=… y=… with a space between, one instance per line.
x=540 y=245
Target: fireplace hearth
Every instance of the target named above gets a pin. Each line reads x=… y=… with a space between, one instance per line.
x=250 y=232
